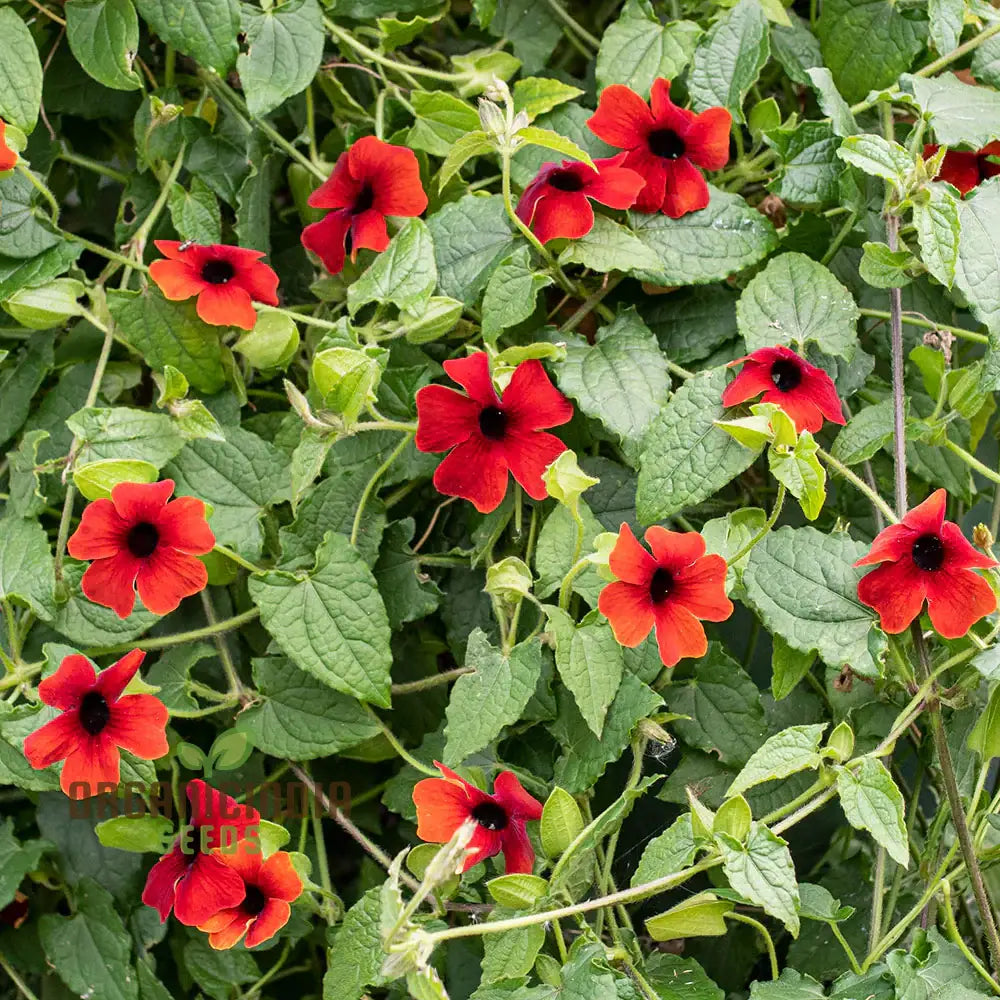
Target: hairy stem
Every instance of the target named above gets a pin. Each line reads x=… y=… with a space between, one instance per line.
x=178 y=638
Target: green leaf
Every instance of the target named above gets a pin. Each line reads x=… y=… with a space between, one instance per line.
x=947 y=19
x=729 y=59
x=792 y=750
x=104 y=37
x=16 y=860
x=610 y=247
x=476 y=143
x=790 y=985
x=590 y=664
x=16 y=274
x=491 y=697
x=26 y=573
x=330 y=621
x=441 y=120
x=240 y=477
x=871 y=801
x=21 y=234
x=205 y=30
x=511 y=954
x=518 y=891
x=804 y=587
x=692 y=323
x=877 y=157
x=471 y=236
x=763 y=872
x=979 y=254
x=621 y=380
x=726 y=715
x=889 y=40
x=636 y=50
x=562 y=822
x=702 y=915
x=788 y=667
x=686 y=458
x=510 y=293
x=407 y=596
x=300 y=718
x=801 y=472
x=48 y=305
x=885 y=268
x=554 y=553
x=796 y=48
x=817 y=903
x=958 y=113
x=679 y=978
x=938 y=229
x=547 y=139
x=831 y=102
x=795 y=301
x=284 y=50
x=169 y=333
x=97 y=479
x=866 y=433
x=535 y=95
x=668 y=853
x=90 y=951
x=810 y=171
x=195 y=213
x=20 y=74
x=171 y=674
x=708 y=245
x=404 y=274
x=121 y=432
x=140 y=834
x=20 y=380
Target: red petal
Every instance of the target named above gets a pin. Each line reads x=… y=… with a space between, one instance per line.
x=162 y=880
x=529 y=454
x=214 y=809
x=269 y=921
x=95 y=761
x=707 y=138
x=533 y=401
x=101 y=533
x=8 y=158
x=960 y=169
x=339 y=190
x=115 y=679
x=629 y=561
x=928 y=517
x=472 y=373
x=227 y=305
x=896 y=592
x=674 y=550
x=393 y=173
x=799 y=406
x=666 y=114
x=208 y=887
x=622 y=118
x=701 y=588
x=562 y=215
x=476 y=470
x=629 y=610
x=678 y=633
x=326 y=239
x=278 y=879
x=652 y=170
x=137 y=502
x=890 y=544
x=138 y=724
x=109 y=582
x=510 y=793
x=530 y=195
x=176 y=279
x=518 y=854
x=484 y=844
x=753 y=379
x=167 y=577
x=74 y=678
x=368 y=231
x=615 y=185
x=56 y=740
x=686 y=190
x=956 y=600
x=818 y=389
x=445 y=418
x=182 y=525
x=959 y=551
x=442 y=807
x=259 y=281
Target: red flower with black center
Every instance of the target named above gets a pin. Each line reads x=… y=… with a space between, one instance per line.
x=555 y=204
x=269 y=886
x=666 y=145
x=8 y=158
x=490 y=435
x=371 y=180
x=670 y=590
x=925 y=557
x=139 y=541
x=191 y=878
x=227 y=280
x=806 y=393
x=444 y=804
x=965 y=169
x=96 y=720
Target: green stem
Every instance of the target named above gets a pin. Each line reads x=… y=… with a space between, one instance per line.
x=140 y=236
x=320 y=839
x=88 y=164
x=958 y=53
x=842 y=234
x=859 y=484
x=178 y=638
x=848 y=950
x=591 y=303
x=638 y=751
x=764 y=933
x=972 y=461
x=104 y=251
x=298 y=317
x=17 y=980
x=401 y=750
x=875 y=920
x=677 y=370
x=790 y=807
x=39 y=186
x=566 y=590
x=435 y=680
x=952 y=930
x=779 y=501
x=573 y=26
x=373 y=482
x=238 y=559
x=925 y=324
x=236 y=688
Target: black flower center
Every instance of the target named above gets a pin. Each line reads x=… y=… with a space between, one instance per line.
x=660 y=585
x=142 y=539
x=928 y=553
x=254 y=901
x=665 y=143
x=94 y=712
x=490 y=816
x=786 y=375
x=365 y=200
x=565 y=180
x=217 y=272
x=492 y=422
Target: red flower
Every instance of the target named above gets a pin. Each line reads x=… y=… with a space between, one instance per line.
x=666 y=145
x=268 y=887
x=138 y=540
x=8 y=158
x=671 y=589
x=555 y=203
x=926 y=557
x=444 y=804
x=96 y=720
x=370 y=181
x=191 y=878
x=966 y=170
x=226 y=280
x=491 y=436
x=806 y=393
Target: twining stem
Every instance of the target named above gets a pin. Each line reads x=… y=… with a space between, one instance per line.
x=972 y=461
x=400 y=749
x=956 y=938
x=166 y=641
x=910 y=320
x=848 y=950
x=875 y=920
x=373 y=482
x=236 y=688
x=768 y=525
x=859 y=484
x=238 y=559
x=17 y=980
x=573 y=25
x=763 y=932
x=88 y=164
x=25 y=171
x=566 y=590
x=411 y=687
x=898 y=397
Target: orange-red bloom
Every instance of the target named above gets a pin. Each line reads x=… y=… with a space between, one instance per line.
x=925 y=557
x=444 y=804
x=966 y=170
x=670 y=590
x=490 y=436
x=191 y=879
x=666 y=145
x=8 y=158
x=96 y=720
x=139 y=541
x=269 y=887
x=227 y=280
x=371 y=180
x=555 y=204
x=806 y=393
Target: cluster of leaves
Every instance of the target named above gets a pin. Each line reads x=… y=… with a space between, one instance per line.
x=784 y=790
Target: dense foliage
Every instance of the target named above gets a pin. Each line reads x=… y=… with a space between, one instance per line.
x=538 y=458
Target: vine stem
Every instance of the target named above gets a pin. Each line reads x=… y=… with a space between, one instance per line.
x=763 y=932
x=401 y=750
x=238 y=559
x=926 y=324
x=779 y=501
x=236 y=688
x=573 y=25
x=898 y=397
x=952 y=928
x=859 y=484
x=178 y=638
x=373 y=482
x=972 y=461
x=17 y=980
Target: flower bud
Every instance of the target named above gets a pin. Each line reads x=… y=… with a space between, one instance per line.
x=982 y=538
x=497 y=91
x=492 y=118
x=566 y=481
x=510 y=580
